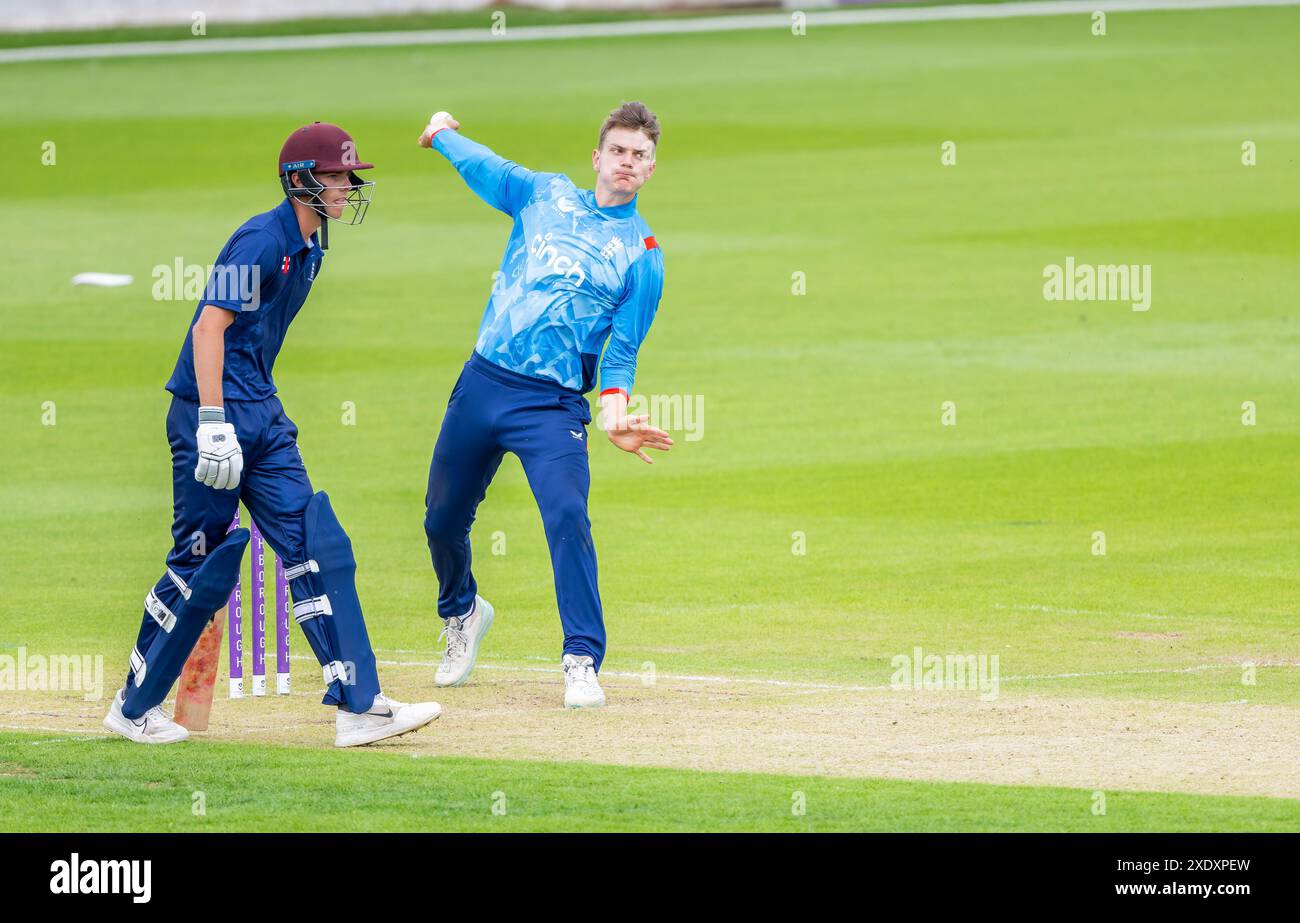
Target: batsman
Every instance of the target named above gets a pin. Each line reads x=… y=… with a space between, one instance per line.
x=581 y=274
x=231 y=440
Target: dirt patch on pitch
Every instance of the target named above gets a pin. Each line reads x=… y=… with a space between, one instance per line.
x=1017 y=739
x=798 y=729
x=1094 y=744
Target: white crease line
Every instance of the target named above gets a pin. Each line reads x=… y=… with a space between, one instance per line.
x=1067 y=611
x=668 y=676
x=837 y=687
x=38 y=727
x=1193 y=669
x=613 y=29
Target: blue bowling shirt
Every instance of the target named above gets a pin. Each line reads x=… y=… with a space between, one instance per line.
x=574 y=275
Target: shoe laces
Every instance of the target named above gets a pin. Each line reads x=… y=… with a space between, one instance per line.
x=580 y=670
x=156 y=714
x=455 y=638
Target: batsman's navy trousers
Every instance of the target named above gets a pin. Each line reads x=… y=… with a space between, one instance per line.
x=492 y=411
x=275 y=488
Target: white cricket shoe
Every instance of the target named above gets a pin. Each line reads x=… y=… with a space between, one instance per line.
x=153 y=727
x=463 y=636
x=581 y=688
x=386 y=718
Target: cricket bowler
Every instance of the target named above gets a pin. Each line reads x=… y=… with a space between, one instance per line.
x=230 y=439
x=581 y=273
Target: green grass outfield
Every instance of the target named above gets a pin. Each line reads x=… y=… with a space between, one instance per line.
x=817 y=154
x=94 y=785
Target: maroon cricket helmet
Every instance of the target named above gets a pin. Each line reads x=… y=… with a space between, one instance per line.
x=323 y=148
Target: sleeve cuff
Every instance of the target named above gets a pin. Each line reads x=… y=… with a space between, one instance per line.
x=622 y=391
x=433 y=136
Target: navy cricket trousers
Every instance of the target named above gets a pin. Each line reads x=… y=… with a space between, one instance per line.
x=492 y=411
x=276 y=490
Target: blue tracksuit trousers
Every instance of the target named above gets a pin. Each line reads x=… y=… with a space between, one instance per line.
x=492 y=411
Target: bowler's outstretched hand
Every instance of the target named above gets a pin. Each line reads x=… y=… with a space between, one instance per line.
x=437 y=122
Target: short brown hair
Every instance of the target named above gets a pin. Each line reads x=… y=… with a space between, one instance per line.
x=633 y=115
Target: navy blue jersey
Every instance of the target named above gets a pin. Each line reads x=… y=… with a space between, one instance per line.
x=262 y=276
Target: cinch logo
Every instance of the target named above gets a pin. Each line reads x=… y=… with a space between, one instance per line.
x=544 y=250
x=103 y=876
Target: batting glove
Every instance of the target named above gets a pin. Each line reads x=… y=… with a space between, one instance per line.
x=221 y=460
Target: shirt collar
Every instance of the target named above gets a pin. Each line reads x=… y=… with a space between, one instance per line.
x=292 y=233
x=626 y=210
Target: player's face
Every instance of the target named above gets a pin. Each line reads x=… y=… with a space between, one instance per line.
x=624 y=162
x=335 y=196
